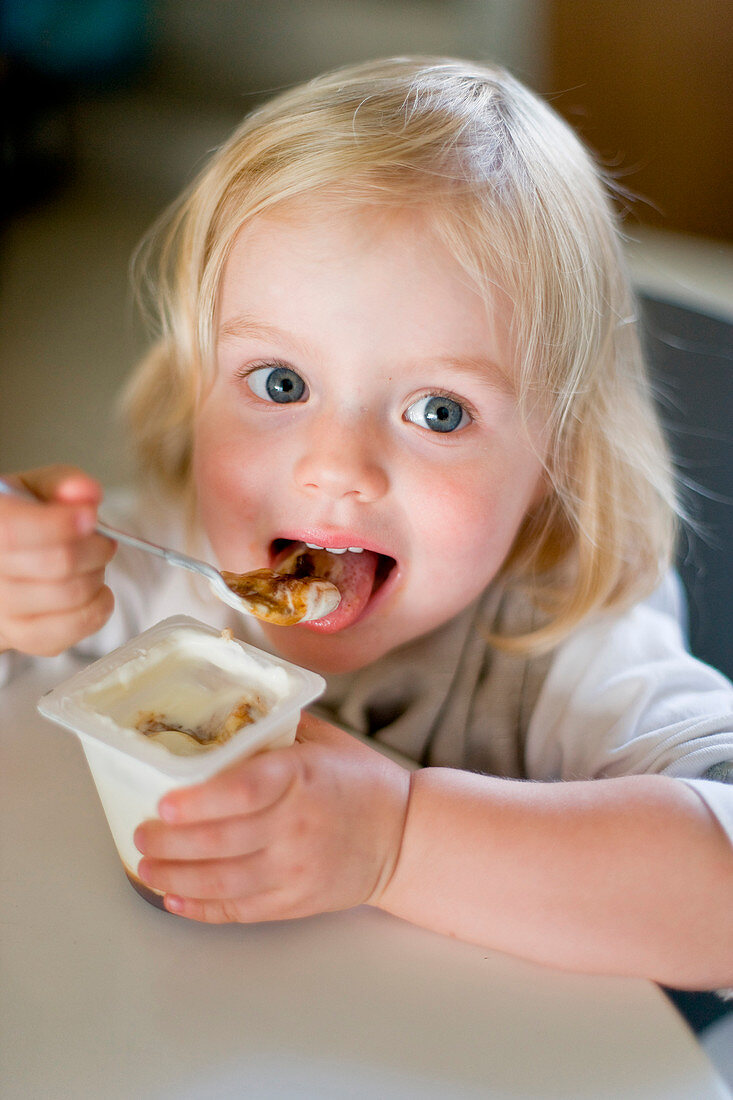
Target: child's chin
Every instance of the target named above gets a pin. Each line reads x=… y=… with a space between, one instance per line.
x=328 y=651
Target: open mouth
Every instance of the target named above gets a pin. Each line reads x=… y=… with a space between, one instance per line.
x=358 y=573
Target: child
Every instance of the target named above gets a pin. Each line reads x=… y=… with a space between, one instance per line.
x=395 y=324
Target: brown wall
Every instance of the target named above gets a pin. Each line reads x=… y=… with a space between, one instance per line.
x=649 y=85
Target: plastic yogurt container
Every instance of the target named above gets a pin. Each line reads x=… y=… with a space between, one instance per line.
x=170 y=708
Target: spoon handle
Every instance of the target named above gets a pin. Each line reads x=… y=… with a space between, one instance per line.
x=173 y=557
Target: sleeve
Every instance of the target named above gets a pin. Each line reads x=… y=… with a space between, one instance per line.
x=11 y=665
x=147 y=589
x=715 y=788
x=623 y=697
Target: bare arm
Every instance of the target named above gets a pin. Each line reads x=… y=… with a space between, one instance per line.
x=624 y=876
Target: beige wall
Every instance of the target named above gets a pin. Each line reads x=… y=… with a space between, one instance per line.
x=650 y=85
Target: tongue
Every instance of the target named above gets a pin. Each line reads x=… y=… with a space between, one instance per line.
x=353 y=575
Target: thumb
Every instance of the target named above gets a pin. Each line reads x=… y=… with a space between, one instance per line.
x=313 y=729
x=63 y=483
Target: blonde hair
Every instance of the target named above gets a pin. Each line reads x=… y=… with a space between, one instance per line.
x=522 y=205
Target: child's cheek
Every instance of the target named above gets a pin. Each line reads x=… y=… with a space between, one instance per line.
x=227 y=493
x=471 y=520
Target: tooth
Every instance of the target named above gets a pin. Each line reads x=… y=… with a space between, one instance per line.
x=335 y=549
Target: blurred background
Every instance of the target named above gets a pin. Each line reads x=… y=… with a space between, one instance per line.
x=110 y=106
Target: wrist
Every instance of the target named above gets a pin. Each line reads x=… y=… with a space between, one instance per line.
x=395 y=876
x=396 y=813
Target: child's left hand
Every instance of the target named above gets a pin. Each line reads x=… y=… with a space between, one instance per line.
x=287 y=833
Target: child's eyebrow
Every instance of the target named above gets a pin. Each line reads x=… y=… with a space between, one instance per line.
x=484 y=370
x=243 y=325
x=479 y=367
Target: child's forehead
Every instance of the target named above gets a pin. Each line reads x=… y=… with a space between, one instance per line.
x=321 y=216
x=405 y=242
x=380 y=248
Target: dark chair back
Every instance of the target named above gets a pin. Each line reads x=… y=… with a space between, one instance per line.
x=690 y=353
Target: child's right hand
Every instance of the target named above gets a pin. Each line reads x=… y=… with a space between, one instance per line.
x=52 y=590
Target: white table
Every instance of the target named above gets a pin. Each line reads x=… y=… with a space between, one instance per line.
x=104 y=996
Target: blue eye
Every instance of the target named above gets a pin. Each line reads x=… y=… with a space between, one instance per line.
x=438 y=413
x=280 y=384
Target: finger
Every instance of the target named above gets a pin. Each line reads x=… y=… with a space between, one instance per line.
x=28 y=598
x=206 y=912
x=60 y=561
x=221 y=838
x=245 y=788
x=312 y=729
x=260 y=907
x=49 y=635
x=60 y=482
x=26 y=526
x=220 y=879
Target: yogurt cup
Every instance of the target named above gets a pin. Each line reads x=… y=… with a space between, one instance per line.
x=188 y=676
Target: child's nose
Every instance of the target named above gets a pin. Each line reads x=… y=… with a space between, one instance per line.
x=339 y=461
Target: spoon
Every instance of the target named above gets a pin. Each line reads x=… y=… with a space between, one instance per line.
x=277 y=598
